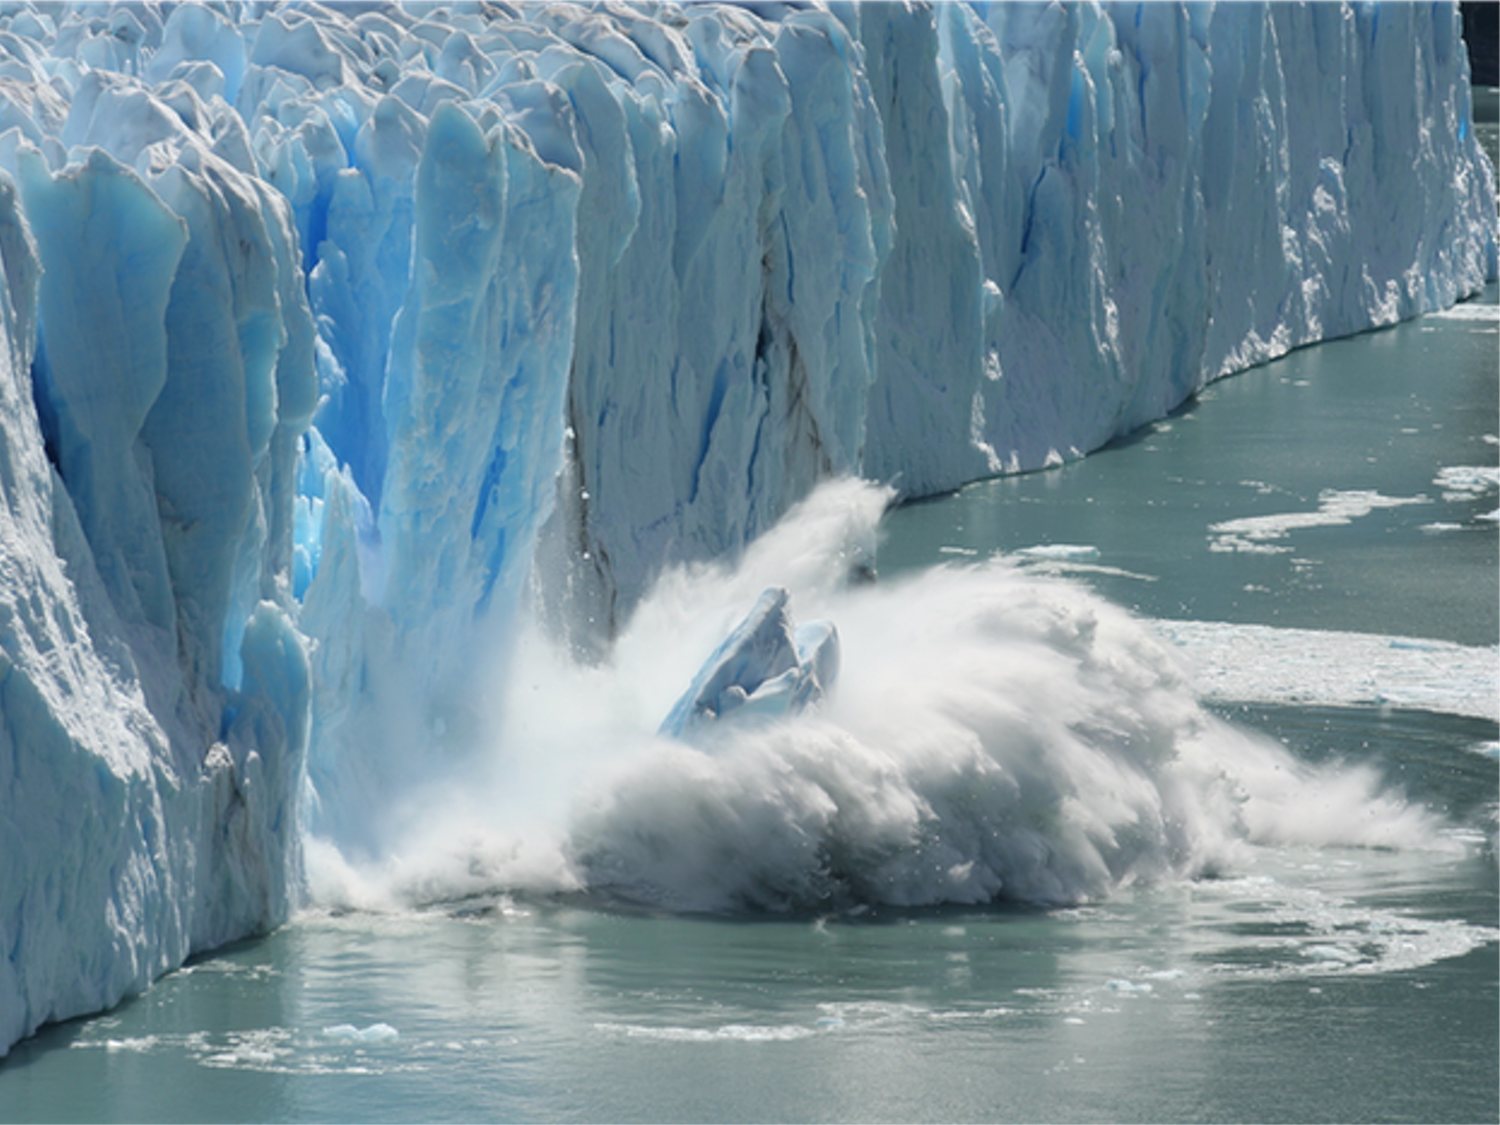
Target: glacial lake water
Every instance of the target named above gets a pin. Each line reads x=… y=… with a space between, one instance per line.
x=1307 y=984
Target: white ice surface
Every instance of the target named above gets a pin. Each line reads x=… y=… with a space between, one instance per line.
x=1306 y=667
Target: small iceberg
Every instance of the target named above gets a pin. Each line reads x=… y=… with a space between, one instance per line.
x=765 y=667
x=375 y=1033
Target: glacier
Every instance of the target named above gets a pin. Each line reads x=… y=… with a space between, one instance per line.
x=336 y=336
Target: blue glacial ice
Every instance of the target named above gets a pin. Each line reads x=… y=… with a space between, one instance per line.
x=322 y=324
x=765 y=667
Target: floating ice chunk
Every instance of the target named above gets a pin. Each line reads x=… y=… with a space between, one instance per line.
x=818 y=650
x=1257 y=534
x=1063 y=552
x=1465 y=482
x=763 y=667
x=375 y=1033
x=135 y=1043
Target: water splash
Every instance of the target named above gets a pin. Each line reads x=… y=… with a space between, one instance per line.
x=995 y=733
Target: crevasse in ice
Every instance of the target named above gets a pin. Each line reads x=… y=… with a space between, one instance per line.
x=322 y=323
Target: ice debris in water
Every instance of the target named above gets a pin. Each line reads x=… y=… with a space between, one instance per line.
x=1063 y=552
x=375 y=1033
x=1465 y=482
x=765 y=667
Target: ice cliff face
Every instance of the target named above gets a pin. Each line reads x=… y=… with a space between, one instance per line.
x=154 y=691
x=321 y=324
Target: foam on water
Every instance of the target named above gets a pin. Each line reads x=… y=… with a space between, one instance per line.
x=1305 y=931
x=730 y=1033
x=1469 y=310
x=995 y=733
x=274 y=1050
x=1064 y=566
x=1261 y=927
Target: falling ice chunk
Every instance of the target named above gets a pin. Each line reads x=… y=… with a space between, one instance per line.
x=764 y=668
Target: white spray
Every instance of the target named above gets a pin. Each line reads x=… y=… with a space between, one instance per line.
x=993 y=734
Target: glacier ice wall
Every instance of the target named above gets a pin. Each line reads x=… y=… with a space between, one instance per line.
x=155 y=369
x=323 y=323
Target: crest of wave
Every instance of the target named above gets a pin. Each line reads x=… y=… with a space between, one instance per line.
x=993 y=734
